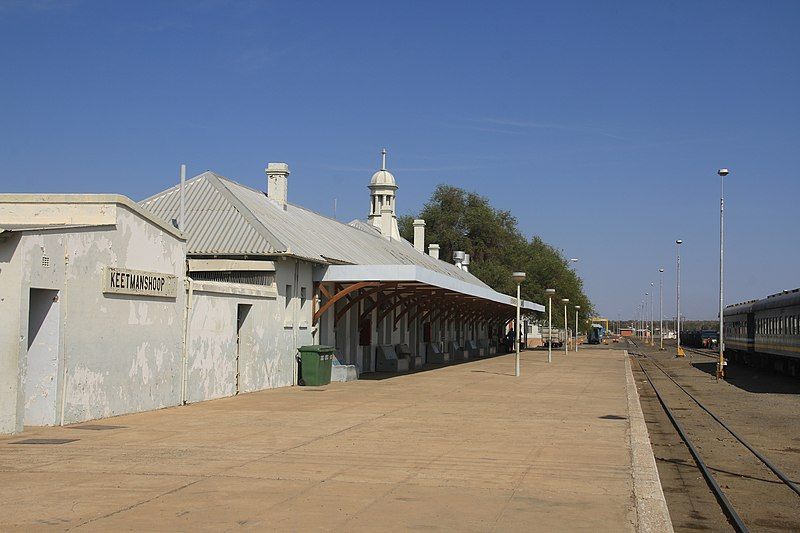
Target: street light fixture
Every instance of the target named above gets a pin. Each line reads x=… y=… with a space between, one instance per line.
x=566 y=329
x=678 y=292
x=721 y=344
x=577 y=308
x=518 y=277
x=550 y=293
x=661 y=309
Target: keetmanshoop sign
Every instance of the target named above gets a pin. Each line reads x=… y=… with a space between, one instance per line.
x=139 y=283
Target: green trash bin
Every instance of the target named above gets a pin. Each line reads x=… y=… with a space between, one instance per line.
x=315 y=364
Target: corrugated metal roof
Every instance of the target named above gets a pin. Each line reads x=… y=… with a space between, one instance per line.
x=225 y=217
x=214 y=223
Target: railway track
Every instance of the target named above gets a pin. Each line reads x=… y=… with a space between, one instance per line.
x=741 y=468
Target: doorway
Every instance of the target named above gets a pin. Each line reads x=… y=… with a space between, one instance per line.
x=243 y=339
x=41 y=364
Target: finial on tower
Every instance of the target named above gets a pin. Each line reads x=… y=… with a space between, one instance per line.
x=383 y=158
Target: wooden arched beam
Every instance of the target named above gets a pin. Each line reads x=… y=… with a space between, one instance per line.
x=352 y=301
x=399 y=300
x=394 y=301
x=456 y=310
x=372 y=305
x=412 y=303
x=341 y=294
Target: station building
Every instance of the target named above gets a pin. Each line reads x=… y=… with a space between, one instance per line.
x=114 y=310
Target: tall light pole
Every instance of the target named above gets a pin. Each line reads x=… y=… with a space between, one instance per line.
x=566 y=329
x=577 y=308
x=518 y=277
x=652 y=329
x=678 y=296
x=645 y=325
x=641 y=316
x=660 y=308
x=721 y=365
x=550 y=293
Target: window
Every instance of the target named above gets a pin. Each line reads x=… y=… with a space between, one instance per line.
x=303 y=300
x=288 y=296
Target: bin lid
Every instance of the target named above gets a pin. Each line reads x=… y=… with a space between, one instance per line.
x=316 y=348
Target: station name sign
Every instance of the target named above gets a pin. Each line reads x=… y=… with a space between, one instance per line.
x=139 y=283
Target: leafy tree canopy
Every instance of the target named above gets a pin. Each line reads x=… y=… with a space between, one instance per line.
x=461 y=220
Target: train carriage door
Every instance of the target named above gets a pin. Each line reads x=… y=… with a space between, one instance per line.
x=43 y=357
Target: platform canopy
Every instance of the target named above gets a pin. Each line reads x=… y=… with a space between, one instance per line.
x=414 y=290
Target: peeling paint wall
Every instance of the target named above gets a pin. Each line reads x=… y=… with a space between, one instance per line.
x=10 y=303
x=263 y=361
x=115 y=353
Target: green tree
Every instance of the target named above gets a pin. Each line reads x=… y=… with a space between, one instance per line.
x=460 y=220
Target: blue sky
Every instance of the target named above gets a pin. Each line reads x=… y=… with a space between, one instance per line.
x=599 y=124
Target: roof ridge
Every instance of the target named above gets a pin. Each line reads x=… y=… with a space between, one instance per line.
x=176 y=187
x=249 y=216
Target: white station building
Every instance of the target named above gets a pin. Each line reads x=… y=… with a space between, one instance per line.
x=109 y=309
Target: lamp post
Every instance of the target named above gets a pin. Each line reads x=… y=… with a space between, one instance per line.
x=577 y=308
x=678 y=297
x=566 y=337
x=652 y=329
x=645 y=325
x=721 y=365
x=660 y=308
x=518 y=277
x=550 y=293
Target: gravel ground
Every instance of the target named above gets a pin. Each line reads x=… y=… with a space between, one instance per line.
x=761 y=406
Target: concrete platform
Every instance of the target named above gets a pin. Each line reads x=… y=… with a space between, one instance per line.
x=466 y=447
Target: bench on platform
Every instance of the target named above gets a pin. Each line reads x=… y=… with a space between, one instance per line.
x=435 y=354
x=472 y=348
x=457 y=353
x=485 y=348
x=403 y=351
x=389 y=361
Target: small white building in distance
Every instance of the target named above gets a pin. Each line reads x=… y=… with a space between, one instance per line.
x=113 y=310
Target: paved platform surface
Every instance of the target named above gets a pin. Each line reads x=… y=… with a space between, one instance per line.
x=466 y=447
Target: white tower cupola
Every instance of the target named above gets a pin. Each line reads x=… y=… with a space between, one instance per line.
x=382 y=189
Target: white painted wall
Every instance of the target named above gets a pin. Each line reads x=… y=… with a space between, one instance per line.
x=116 y=353
x=264 y=362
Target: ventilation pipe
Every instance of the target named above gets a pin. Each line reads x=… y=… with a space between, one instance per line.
x=419 y=235
x=458 y=258
x=278 y=183
x=465 y=263
x=433 y=251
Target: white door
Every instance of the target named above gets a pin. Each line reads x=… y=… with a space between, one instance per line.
x=41 y=369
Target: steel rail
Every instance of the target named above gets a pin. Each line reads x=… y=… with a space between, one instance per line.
x=775 y=470
x=726 y=505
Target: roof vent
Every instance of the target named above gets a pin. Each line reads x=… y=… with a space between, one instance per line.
x=465 y=263
x=458 y=258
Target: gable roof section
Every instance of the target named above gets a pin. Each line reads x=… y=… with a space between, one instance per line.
x=216 y=222
x=226 y=217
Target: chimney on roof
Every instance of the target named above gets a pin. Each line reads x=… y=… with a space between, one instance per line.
x=465 y=263
x=278 y=182
x=458 y=258
x=433 y=251
x=386 y=222
x=419 y=235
